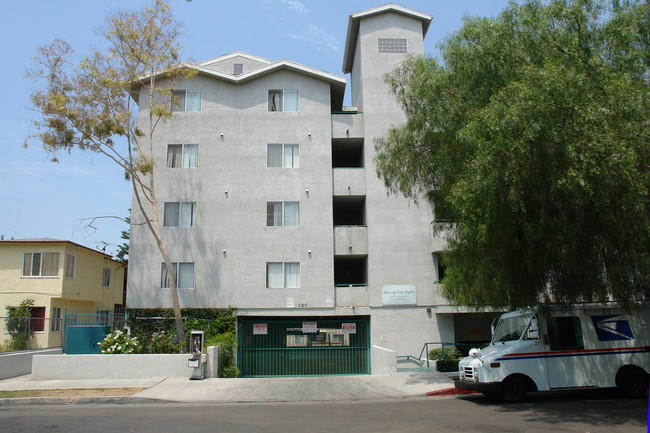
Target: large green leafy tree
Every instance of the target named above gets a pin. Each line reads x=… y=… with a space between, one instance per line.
x=534 y=130
x=90 y=106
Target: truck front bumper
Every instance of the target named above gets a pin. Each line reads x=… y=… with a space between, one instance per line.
x=484 y=387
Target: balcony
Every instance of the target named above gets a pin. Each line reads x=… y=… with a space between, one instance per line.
x=348 y=125
x=350 y=240
x=349 y=182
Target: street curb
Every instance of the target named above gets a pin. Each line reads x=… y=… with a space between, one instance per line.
x=65 y=401
x=449 y=391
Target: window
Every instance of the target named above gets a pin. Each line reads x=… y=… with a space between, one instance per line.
x=440 y=266
x=103 y=317
x=565 y=333
x=282 y=213
x=392 y=45
x=442 y=212
x=182 y=156
x=106 y=277
x=238 y=69
x=70 y=262
x=37 y=319
x=282 y=275
x=283 y=155
x=184 y=275
x=186 y=100
x=41 y=265
x=181 y=214
x=283 y=100
x=55 y=319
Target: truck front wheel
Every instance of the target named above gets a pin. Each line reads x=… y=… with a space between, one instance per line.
x=633 y=382
x=514 y=389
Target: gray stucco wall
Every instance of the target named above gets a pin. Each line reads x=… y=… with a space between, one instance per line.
x=236 y=221
x=231 y=244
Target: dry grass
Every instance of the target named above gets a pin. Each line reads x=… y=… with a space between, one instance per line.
x=81 y=392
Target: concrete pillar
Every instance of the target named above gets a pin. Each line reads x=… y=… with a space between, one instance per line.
x=213 y=362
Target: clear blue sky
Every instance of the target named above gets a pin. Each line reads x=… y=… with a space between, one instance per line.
x=43 y=199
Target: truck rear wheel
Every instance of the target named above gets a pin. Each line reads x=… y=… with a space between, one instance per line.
x=514 y=389
x=633 y=382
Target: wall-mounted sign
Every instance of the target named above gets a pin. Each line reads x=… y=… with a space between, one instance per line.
x=260 y=328
x=349 y=328
x=398 y=294
x=309 y=327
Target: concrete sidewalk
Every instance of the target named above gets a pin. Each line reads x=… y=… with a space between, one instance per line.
x=244 y=390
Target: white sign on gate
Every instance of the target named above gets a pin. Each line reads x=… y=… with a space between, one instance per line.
x=260 y=328
x=349 y=328
x=309 y=327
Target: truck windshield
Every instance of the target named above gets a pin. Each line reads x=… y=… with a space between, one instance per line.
x=511 y=328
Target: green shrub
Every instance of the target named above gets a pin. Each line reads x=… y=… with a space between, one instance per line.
x=447 y=365
x=157 y=328
x=6 y=346
x=118 y=342
x=446 y=358
x=230 y=371
x=18 y=325
x=227 y=343
x=162 y=342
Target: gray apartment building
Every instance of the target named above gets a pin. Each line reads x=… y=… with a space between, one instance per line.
x=271 y=204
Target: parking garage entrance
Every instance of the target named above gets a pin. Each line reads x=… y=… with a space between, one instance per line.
x=303 y=346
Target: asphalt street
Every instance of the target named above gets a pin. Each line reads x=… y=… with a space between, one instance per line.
x=581 y=412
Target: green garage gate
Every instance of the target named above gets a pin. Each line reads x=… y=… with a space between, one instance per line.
x=303 y=346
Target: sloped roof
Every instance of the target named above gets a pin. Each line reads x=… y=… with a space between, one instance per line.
x=336 y=82
x=356 y=17
x=53 y=241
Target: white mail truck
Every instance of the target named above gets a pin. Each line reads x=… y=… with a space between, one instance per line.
x=548 y=348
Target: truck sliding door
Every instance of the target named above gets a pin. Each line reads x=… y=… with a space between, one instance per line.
x=567 y=363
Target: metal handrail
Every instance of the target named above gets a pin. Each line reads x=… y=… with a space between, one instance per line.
x=425 y=349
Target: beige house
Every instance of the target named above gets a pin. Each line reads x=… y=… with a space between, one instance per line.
x=60 y=276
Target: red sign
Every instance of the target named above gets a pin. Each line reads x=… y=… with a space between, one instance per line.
x=349 y=328
x=260 y=328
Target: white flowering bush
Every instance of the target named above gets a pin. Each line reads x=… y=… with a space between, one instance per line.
x=119 y=342
x=162 y=342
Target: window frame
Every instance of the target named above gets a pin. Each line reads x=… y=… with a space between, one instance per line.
x=56 y=319
x=164 y=277
x=285 y=284
x=176 y=108
x=70 y=263
x=282 y=100
x=180 y=213
x=183 y=155
x=295 y=155
x=41 y=264
x=106 y=275
x=283 y=216
x=39 y=319
x=565 y=333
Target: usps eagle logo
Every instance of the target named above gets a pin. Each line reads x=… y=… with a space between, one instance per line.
x=612 y=328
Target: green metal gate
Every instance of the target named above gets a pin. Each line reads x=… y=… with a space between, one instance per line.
x=303 y=346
